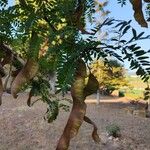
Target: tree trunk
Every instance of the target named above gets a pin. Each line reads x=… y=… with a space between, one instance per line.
x=98 y=96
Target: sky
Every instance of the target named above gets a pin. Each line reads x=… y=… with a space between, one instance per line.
x=126 y=13
x=123 y=13
x=11 y=2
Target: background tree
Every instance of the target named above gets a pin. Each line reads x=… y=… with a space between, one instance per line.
x=111 y=76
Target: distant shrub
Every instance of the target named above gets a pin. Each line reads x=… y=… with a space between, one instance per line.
x=135 y=94
x=113 y=130
x=121 y=93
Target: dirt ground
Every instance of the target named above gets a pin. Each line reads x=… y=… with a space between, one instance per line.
x=23 y=128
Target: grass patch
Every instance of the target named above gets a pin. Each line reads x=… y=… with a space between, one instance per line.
x=134 y=94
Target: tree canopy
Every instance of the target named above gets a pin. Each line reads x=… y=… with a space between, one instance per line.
x=111 y=75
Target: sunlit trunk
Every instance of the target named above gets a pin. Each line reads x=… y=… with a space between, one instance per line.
x=98 y=96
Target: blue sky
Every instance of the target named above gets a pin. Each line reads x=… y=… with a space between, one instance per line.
x=11 y=2
x=126 y=13
x=123 y=13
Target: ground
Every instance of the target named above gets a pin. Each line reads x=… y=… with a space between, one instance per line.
x=23 y=128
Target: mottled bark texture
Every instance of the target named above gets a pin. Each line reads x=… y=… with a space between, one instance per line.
x=24 y=76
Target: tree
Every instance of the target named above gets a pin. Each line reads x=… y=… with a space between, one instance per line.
x=110 y=75
x=52 y=36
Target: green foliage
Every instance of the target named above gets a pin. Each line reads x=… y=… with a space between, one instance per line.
x=121 y=93
x=137 y=57
x=55 y=20
x=122 y=2
x=148 y=12
x=47 y=64
x=3 y=3
x=52 y=111
x=113 y=130
x=40 y=87
x=54 y=34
